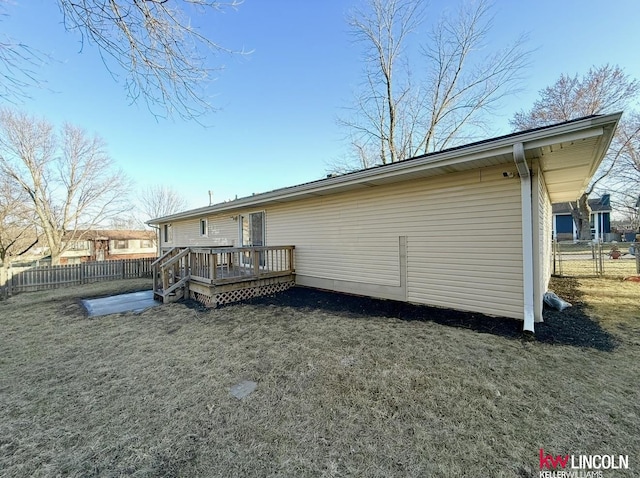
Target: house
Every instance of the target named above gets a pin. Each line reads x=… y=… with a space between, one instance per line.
x=104 y=245
x=467 y=228
x=565 y=229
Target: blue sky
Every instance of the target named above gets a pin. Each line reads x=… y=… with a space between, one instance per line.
x=276 y=125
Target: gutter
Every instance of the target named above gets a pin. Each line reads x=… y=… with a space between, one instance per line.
x=527 y=234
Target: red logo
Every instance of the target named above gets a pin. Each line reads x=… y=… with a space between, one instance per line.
x=551 y=462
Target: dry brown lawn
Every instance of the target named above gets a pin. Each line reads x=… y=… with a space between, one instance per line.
x=340 y=392
x=610 y=268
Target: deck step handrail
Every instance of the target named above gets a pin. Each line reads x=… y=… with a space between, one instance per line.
x=181 y=283
x=175 y=258
x=163 y=256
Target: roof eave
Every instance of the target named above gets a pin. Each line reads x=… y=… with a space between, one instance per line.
x=499 y=146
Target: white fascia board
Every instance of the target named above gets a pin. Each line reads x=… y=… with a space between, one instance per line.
x=464 y=154
x=564 y=138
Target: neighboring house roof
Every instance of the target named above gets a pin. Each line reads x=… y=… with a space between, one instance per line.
x=110 y=234
x=568 y=153
x=597 y=205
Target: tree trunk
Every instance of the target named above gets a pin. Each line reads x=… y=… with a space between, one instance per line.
x=4 y=279
x=582 y=217
x=55 y=258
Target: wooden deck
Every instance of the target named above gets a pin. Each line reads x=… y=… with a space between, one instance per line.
x=216 y=276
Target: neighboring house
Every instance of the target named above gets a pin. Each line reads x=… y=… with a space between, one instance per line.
x=467 y=228
x=104 y=245
x=565 y=229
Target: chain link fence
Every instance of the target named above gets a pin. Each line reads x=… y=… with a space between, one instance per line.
x=589 y=259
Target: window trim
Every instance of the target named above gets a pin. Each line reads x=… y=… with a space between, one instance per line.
x=204 y=227
x=78 y=245
x=119 y=242
x=167 y=233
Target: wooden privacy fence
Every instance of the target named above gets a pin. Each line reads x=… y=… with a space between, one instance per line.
x=51 y=277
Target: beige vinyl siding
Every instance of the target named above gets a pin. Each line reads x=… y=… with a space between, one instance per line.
x=222 y=230
x=462 y=233
x=542 y=245
x=339 y=237
x=463 y=239
x=466 y=253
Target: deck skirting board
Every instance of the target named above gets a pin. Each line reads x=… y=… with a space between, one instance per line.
x=215 y=295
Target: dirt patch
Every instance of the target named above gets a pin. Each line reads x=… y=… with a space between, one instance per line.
x=570 y=327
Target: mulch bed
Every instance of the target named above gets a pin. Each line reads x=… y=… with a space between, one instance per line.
x=569 y=327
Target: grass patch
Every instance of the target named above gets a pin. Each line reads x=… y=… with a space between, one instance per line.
x=616 y=305
x=342 y=390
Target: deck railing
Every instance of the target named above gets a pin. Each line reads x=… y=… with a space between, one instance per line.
x=234 y=264
x=222 y=265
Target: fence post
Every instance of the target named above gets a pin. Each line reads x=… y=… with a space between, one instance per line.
x=601 y=258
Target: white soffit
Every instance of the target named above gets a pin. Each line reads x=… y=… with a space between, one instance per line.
x=569 y=164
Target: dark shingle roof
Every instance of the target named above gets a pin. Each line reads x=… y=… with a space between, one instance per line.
x=112 y=234
x=602 y=204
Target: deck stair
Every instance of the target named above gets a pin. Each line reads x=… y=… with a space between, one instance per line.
x=171 y=275
x=216 y=276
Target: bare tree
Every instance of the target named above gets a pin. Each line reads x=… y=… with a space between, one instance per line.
x=70 y=181
x=158 y=201
x=625 y=176
x=126 y=222
x=383 y=29
x=165 y=59
x=602 y=89
x=18 y=66
x=17 y=226
x=395 y=116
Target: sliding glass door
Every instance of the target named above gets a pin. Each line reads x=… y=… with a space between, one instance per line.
x=252 y=234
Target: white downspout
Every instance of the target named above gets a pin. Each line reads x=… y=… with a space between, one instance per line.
x=527 y=234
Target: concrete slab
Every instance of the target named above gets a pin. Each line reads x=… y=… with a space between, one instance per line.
x=133 y=302
x=243 y=389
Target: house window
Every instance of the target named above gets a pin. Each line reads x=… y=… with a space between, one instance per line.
x=146 y=244
x=78 y=246
x=167 y=233
x=203 y=227
x=121 y=244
